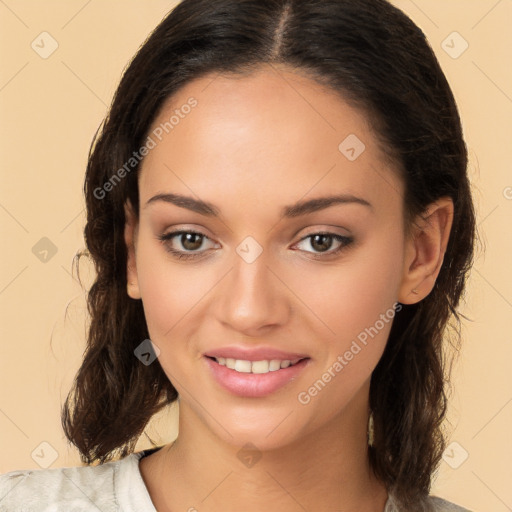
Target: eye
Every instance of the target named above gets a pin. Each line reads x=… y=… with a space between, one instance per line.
x=190 y=241
x=322 y=243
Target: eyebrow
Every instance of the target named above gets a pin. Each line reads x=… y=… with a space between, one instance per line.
x=291 y=211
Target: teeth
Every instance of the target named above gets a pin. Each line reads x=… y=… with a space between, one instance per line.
x=243 y=366
x=274 y=365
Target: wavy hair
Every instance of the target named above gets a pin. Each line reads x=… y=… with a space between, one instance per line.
x=379 y=61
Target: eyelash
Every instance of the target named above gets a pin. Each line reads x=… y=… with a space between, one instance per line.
x=344 y=240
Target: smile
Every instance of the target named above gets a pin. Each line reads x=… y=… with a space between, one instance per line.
x=254 y=378
x=264 y=366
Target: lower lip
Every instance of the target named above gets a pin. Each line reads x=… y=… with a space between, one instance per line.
x=254 y=385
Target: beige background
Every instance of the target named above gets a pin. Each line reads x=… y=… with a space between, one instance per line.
x=49 y=111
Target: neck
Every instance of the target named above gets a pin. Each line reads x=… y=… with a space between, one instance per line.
x=327 y=469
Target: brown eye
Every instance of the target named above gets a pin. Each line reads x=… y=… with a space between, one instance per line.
x=321 y=243
x=191 y=241
x=184 y=244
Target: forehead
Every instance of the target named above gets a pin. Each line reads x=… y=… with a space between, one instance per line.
x=274 y=133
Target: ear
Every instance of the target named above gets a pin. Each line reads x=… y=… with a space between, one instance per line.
x=425 y=250
x=130 y=238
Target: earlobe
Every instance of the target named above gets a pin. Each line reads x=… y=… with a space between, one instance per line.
x=425 y=250
x=130 y=236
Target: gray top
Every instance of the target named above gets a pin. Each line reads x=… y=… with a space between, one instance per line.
x=110 y=487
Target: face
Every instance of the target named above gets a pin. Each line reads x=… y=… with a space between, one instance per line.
x=249 y=270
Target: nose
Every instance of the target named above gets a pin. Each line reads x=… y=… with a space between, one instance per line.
x=252 y=298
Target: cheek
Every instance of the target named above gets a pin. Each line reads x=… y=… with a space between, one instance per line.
x=169 y=290
x=350 y=296
x=356 y=301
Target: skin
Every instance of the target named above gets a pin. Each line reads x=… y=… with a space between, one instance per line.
x=253 y=145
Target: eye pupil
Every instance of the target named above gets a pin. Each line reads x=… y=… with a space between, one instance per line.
x=187 y=241
x=323 y=246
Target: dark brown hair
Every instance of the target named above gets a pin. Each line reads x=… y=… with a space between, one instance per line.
x=376 y=58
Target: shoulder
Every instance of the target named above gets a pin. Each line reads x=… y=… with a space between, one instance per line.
x=109 y=487
x=428 y=504
x=440 y=505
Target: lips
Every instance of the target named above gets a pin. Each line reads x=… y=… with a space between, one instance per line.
x=254 y=385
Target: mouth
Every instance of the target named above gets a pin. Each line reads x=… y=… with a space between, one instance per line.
x=254 y=379
x=256 y=367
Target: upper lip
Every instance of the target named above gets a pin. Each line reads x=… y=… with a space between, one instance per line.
x=254 y=354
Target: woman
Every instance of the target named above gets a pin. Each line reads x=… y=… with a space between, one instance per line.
x=281 y=222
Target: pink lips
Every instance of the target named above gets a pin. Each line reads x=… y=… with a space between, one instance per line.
x=254 y=385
